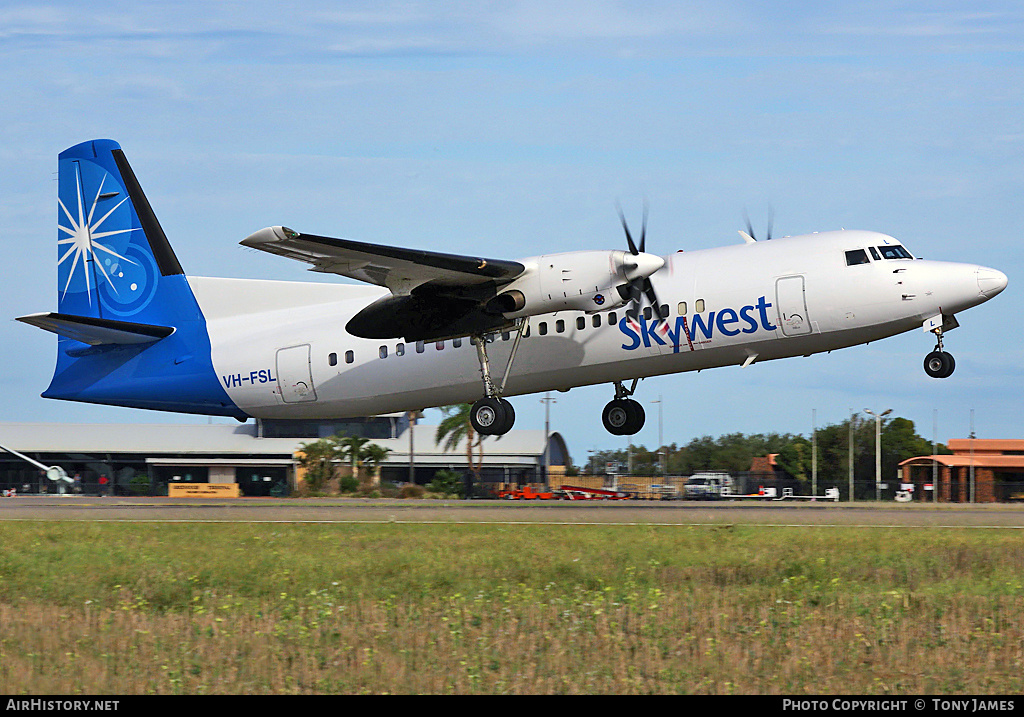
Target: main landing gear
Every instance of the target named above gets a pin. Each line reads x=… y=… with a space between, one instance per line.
x=623 y=416
x=939 y=364
x=492 y=415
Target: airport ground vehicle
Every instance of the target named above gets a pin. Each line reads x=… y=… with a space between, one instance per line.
x=708 y=486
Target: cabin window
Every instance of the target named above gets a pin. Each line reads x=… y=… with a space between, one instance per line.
x=681 y=309
x=596 y=321
x=698 y=306
x=420 y=346
x=383 y=352
x=456 y=343
x=648 y=311
x=894 y=251
x=439 y=345
x=612 y=318
x=560 y=326
x=581 y=323
x=332 y=359
x=400 y=350
x=505 y=336
x=542 y=329
x=349 y=357
x=857 y=256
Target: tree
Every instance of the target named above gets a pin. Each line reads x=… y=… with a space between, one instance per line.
x=795 y=458
x=317 y=458
x=353 y=448
x=456 y=427
x=374 y=455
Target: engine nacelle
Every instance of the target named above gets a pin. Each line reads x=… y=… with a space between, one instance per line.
x=573 y=281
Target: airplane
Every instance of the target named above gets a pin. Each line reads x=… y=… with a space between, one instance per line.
x=424 y=328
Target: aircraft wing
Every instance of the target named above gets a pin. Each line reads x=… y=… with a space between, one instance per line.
x=400 y=270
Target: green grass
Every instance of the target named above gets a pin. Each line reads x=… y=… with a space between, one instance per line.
x=399 y=608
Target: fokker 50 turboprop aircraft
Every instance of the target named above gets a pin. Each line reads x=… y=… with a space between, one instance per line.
x=431 y=329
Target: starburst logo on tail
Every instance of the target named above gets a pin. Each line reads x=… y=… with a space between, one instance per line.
x=83 y=242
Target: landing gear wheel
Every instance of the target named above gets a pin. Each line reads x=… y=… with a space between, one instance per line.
x=510 y=416
x=939 y=364
x=623 y=417
x=492 y=416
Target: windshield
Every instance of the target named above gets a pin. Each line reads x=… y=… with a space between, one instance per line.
x=894 y=251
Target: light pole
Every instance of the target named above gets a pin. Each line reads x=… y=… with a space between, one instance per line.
x=878 y=449
x=849 y=453
x=661 y=440
x=547 y=401
x=814 y=451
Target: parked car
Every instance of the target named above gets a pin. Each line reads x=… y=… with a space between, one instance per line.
x=708 y=486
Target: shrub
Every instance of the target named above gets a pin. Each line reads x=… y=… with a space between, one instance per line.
x=410 y=490
x=446 y=483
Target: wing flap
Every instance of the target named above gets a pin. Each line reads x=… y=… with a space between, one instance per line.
x=396 y=268
x=95 y=331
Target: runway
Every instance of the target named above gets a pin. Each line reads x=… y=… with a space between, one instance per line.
x=668 y=513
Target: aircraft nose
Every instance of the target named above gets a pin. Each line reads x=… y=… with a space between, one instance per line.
x=990 y=281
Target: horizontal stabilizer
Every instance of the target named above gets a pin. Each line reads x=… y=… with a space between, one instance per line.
x=95 y=331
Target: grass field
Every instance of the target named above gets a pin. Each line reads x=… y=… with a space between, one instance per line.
x=242 y=608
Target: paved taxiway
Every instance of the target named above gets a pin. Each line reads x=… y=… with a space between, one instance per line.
x=91 y=508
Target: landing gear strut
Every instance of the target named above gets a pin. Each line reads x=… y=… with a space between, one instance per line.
x=492 y=415
x=623 y=416
x=939 y=364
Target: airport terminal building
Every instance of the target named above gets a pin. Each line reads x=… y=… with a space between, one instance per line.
x=991 y=469
x=260 y=456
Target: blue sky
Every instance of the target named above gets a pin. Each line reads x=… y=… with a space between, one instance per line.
x=512 y=129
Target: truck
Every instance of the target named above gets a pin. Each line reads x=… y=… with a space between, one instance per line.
x=708 y=486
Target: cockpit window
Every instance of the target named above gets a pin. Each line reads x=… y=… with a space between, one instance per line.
x=857 y=256
x=874 y=253
x=894 y=251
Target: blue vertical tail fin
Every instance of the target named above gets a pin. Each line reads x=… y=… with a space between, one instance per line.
x=131 y=331
x=112 y=254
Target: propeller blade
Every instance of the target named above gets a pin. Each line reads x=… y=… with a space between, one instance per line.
x=771 y=220
x=629 y=238
x=653 y=298
x=750 y=227
x=643 y=230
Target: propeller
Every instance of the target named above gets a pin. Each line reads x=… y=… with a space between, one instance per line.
x=640 y=287
x=749 y=234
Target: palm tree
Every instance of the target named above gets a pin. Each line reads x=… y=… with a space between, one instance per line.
x=354 y=450
x=374 y=455
x=318 y=459
x=455 y=427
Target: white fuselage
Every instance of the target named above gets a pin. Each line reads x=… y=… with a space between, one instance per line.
x=280 y=349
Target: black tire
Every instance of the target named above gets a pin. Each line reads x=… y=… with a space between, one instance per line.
x=623 y=417
x=510 y=417
x=487 y=416
x=939 y=364
x=615 y=417
x=639 y=417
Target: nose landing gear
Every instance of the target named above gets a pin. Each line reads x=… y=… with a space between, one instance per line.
x=939 y=364
x=623 y=416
